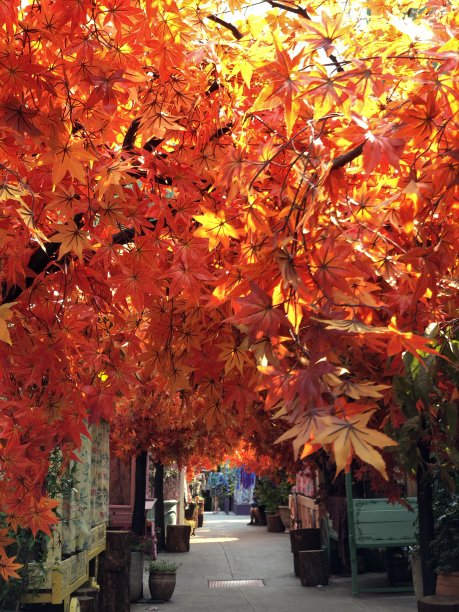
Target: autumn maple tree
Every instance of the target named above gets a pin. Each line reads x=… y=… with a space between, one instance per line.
x=212 y=215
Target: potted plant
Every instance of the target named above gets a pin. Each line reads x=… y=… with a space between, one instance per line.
x=445 y=545
x=271 y=495
x=139 y=545
x=161 y=579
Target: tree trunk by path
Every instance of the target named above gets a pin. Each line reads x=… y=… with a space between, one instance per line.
x=426 y=521
x=138 y=515
x=159 y=505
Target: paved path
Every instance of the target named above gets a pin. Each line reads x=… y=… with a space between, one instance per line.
x=225 y=548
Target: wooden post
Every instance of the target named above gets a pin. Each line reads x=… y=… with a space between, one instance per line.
x=436 y=603
x=313 y=567
x=178 y=538
x=114 y=567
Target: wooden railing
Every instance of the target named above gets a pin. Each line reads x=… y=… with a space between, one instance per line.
x=305 y=511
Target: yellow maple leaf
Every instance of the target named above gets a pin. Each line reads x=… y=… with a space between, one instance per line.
x=352 y=437
x=352 y=326
x=5 y=315
x=355 y=390
x=72 y=238
x=28 y=216
x=9 y=191
x=215 y=228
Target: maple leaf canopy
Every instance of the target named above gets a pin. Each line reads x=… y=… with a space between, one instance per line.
x=209 y=219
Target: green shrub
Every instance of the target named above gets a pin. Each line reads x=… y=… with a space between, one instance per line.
x=445 y=545
x=162 y=566
x=140 y=543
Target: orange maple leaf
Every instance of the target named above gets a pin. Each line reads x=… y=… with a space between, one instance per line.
x=8 y=567
x=72 y=238
x=257 y=311
x=41 y=515
x=5 y=539
x=5 y=315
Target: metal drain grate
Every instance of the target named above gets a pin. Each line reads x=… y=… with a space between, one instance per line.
x=235 y=584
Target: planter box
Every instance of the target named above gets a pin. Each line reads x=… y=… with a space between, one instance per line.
x=242 y=509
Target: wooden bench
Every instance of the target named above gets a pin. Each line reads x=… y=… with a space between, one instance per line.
x=375 y=523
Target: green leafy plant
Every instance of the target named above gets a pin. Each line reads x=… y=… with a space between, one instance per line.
x=161 y=566
x=271 y=494
x=445 y=545
x=31 y=552
x=140 y=543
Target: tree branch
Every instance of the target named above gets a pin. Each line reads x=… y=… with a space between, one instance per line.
x=298 y=10
x=346 y=158
x=232 y=28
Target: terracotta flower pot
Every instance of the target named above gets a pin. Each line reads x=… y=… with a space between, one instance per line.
x=448 y=584
x=161 y=585
x=274 y=523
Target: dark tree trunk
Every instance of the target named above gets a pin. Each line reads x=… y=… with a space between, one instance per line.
x=113 y=576
x=159 y=505
x=138 y=516
x=426 y=521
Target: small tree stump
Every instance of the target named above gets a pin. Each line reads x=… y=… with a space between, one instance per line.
x=313 y=567
x=178 y=538
x=438 y=603
x=114 y=567
x=303 y=539
x=87 y=604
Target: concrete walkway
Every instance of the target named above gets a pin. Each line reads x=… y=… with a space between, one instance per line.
x=225 y=548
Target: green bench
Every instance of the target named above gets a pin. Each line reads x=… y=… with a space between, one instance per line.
x=375 y=523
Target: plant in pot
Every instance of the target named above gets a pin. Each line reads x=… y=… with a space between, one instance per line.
x=271 y=495
x=161 y=579
x=140 y=546
x=445 y=545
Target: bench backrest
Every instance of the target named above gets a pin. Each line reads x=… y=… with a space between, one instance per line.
x=379 y=523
